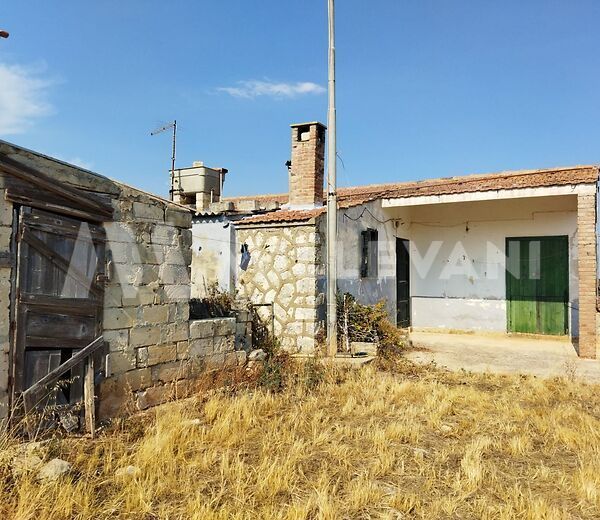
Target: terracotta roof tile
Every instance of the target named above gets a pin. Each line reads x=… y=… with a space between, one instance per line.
x=299 y=215
x=356 y=195
x=471 y=183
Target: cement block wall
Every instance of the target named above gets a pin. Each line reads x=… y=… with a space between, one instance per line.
x=165 y=371
x=146 y=303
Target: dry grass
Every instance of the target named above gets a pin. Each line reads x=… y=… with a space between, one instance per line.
x=414 y=443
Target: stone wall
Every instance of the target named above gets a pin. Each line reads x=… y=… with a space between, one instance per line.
x=284 y=270
x=5 y=273
x=171 y=370
x=146 y=304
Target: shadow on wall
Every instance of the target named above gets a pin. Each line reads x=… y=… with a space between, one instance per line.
x=372 y=291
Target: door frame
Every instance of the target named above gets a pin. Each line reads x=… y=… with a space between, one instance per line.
x=24 y=302
x=407 y=321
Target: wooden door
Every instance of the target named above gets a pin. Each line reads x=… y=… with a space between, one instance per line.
x=537 y=285
x=402 y=282
x=60 y=268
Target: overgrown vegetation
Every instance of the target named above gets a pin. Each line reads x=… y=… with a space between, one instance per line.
x=216 y=304
x=367 y=323
x=416 y=443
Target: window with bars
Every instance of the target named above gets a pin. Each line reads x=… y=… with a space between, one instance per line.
x=369 y=253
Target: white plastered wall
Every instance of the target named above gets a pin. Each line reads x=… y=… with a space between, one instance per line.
x=458 y=257
x=351 y=221
x=213 y=255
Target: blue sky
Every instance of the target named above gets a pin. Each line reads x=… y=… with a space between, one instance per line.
x=425 y=88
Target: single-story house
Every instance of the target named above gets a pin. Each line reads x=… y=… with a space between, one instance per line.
x=505 y=253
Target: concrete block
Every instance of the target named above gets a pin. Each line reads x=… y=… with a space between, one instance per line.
x=124 y=253
x=141 y=356
x=220 y=207
x=168 y=372
x=6 y=212
x=175 y=332
x=138 y=295
x=161 y=354
x=119 y=318
x=175 y=256
x=135 y=380
x=179 y=311
x=224 y=326
x=223 y=344
x=185 y=238
x=183 y=350
x=146 y=335
x=151 y=253
x=202 y=329
x=165 y=235
x=174 y=293
x=200 y=348
x=142 y=274
x=147 y=211
x=214 y=360
x=178 y=217
x=113 y=296
x=154 y=396
x=117 y=339
x=5 y=235
x=174 y=274
x=120 y=362
x=230 y=359
x=155 y=313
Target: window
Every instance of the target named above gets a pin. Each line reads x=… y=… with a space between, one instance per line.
x=368 y=256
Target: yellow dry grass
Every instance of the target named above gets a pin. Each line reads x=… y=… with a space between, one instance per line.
x=417 y=443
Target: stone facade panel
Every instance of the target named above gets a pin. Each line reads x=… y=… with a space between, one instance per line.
x=285 y=275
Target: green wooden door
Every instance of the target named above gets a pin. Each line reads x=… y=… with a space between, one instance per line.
x=537 y=285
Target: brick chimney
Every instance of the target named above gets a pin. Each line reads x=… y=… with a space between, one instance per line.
x=308 y=165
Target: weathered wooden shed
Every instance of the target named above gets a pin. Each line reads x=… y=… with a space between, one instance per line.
x=90 y=269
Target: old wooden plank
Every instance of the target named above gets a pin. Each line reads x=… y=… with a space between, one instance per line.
x=55 y=343
x=61 y=262
x=71 y=306
x=88 y=396
x=19 y=196
x=54 y=376
x=64 y=226
x=78 y=198
x=55 y=325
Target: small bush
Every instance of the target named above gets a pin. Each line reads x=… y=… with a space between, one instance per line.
x=370 y=323
x=216 y=304
x=273 y=374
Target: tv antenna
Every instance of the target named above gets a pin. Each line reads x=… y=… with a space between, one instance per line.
x=160 y=130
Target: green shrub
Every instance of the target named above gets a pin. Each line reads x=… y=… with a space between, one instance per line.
x=370 y=323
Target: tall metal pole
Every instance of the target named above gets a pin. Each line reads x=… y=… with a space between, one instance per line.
x=331 y=196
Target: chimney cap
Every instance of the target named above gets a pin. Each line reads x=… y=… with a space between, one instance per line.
x=311 y=123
